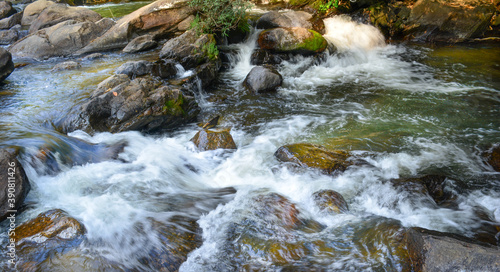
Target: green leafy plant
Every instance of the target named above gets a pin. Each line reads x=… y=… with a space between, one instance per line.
x=329 y=5
x=215 y=16
x=211 y=50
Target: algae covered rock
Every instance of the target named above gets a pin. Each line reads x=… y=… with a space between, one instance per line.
x=492 y=157
x=314 y=156
x=292 y=40
x=213 y=139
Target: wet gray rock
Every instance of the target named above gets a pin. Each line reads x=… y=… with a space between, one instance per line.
x=62 y=39
x=435 y=251
x=9 y=36
x=6 y=64
x=134 y=69
x=11 y=21
x=57 y=13
x=139 y=44
x=34 y=9
x=67 y=65
x=263 y=79
x=160 y=19
x=275 y=19
x=143 y=104
x=11 y=170
x=6 y=9
x=165 y=68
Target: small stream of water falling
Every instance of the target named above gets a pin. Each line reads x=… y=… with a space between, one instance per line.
x=397 y=106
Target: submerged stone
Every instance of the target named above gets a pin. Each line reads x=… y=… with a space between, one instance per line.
x=314 y=156
x=330 y=201
x=67 y=65
x=492 y=157
x=211 y=140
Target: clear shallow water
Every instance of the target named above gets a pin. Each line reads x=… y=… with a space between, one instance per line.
x=407 y=110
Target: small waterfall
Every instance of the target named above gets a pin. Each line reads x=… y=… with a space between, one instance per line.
x=242 y=63
x=346 y=34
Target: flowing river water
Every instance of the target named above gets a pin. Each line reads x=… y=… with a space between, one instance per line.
x=406 y=109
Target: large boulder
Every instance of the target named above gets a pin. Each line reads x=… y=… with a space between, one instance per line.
x=57 y=13
x=292 y=40
x=211 y=140
x=51 y=232
x=11 y=21
x=120 y=104
x=435 y=251
x=314 y=156
x=62 y=39
x=6 y=64
x=262 y=79
x=34 y=9
x=190 y=49
x=14 y=184
x=451 y=22
x=274 y=19
x=161 y=19
x=6 y=9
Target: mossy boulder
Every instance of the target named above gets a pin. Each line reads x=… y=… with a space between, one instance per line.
x=213 y=139
x=314 y=156
x=330 y=201
x=143 y=104
x=292 y=40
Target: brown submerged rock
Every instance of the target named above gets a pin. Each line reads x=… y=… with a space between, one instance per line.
x=430 y=185
x=213 y=139
x=330 y=201
x=12 y=177
x=314 y=156
x=492 y=157
x=50 y=232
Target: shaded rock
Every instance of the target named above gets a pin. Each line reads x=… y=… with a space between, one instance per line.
x=34 y=9
x=6 y=9
x=62 y=39
x=179 y=237
x=139 y=104
x=211 y=140
x=211 y=123
x=435 y=251
x=11 y=21
x=295 y=39
x=50 y=232
x=391 y=19
x=492 y=157
x=263 y=79
x=135 y=68
x=165 y=68
x=430 y=185
x=444 y=21
x=276 y=209
x=159 y=19
x=93 y=56
x=330 y=201
x=274 y=19
x=77 y=259
x=6 y=64
x=190 y=49
x=57 y=13
x=8 y=36
x=71 y=151
x=315 y=156
x=140 y=44
x=67 y=65
x=14 y=183
x=262 y=56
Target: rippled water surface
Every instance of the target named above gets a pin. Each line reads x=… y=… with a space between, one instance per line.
x=407 y=110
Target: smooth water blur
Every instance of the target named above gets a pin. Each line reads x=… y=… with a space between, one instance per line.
x=406 y=110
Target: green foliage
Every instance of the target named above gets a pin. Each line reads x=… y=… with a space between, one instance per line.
x=211 y=50
x=329 y=5
x=218 y=15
